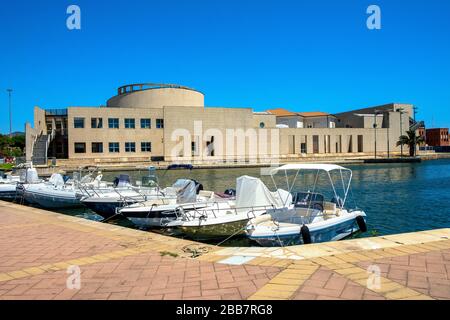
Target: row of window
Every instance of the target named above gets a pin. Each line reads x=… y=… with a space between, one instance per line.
x=113 y=147
x=113 y=123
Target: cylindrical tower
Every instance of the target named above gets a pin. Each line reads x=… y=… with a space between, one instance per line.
x=152 y=95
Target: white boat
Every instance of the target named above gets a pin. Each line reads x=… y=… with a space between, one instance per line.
x=8 y=187
x=169 y=204
x=228 y=218
x=311 y=219
x=57 y=192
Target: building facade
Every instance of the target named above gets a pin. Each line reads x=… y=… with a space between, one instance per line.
x=160 y=122
x=437 y=137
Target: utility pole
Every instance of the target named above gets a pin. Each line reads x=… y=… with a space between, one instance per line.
x=401 y=129
x=375 y=128
x=414 y=112
x=10 y=118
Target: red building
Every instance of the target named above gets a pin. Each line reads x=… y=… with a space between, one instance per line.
x=437 y=137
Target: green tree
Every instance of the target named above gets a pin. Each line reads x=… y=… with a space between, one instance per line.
x=411 y=140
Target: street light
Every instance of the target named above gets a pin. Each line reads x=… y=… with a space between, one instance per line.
x=401 y=128
x=10 y=118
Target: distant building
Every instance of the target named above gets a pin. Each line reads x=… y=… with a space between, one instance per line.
x=161 y=122
x=437 y=137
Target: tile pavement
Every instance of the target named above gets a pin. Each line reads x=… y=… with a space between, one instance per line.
x=37 y=247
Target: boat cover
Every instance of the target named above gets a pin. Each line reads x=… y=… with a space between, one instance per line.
x=252 y=192
x=186 y=191
x=29 y=175
x=56 y=179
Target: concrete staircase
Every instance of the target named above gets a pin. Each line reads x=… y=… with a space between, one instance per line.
x=40 y=151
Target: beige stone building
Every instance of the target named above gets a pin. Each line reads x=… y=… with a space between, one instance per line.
x=160 y=122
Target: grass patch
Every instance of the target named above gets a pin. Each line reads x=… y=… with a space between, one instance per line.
x=167 y=253
x=6 y=166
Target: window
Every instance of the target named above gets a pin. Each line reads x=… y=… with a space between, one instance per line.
x=114 y=147
x=96 y=123
x=262 y=125
x=303 y=147
x=146 y=146
x=160 y=123
x=80 y=147
x=78 y=123
x=129 y=123
x=194 y=146
x=360 y=143
x=291 y=144
x=113 y=123
x=130 y=147
x=210 y=147
x=146 y=123
x=350 y=144
x=97 y=147
x=315 y=144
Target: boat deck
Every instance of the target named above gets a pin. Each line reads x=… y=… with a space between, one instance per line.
x=39 y=249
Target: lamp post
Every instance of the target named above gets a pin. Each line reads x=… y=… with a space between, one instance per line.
x=401 y=129
x=375 y=128
x=10 y=118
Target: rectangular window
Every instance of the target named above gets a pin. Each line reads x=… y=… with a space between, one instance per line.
x=350 y=144
x=113 y=123
x=96 y=123
x=80 y=147
x=210 y=147
x=303 y=147
x=78 y=123
x=360 y=143
x=97 y=147
x=194 y=146
x=129 y=123
x=146 y=147
x=291 y=144
x=130 y=147
x=315 y=144
x=160 y=123
x=146 y=123
x=114 y=147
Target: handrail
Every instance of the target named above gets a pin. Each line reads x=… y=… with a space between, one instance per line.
x=146 y=86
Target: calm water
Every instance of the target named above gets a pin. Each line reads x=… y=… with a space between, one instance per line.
x=396 y=197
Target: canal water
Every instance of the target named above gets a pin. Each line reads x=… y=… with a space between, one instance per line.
x=396 y=197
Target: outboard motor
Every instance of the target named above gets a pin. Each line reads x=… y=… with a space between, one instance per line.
x=198 y=186
x=116 y=182
x=230 y=192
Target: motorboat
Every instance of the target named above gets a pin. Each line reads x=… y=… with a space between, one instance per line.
x=312 y=218
x=8 y=186
x=222 y=219
x=169 y=204
x=59 y=191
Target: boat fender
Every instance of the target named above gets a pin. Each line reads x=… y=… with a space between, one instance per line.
x=361 y=223
x=305 y=234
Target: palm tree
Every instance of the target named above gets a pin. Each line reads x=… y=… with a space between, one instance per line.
x=411 y=140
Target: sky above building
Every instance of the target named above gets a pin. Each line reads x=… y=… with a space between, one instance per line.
x=298 y=55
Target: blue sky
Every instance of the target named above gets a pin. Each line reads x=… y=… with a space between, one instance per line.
x=298 y=55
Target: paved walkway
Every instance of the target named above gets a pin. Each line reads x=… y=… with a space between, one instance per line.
x=39 y=249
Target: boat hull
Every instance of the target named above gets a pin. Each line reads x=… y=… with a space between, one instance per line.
x=105 y=209
x=215 y=231
x=51 y=201
x=333 y=232
x=8 y=193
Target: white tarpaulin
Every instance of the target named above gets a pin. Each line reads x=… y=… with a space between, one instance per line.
x=252 y=192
